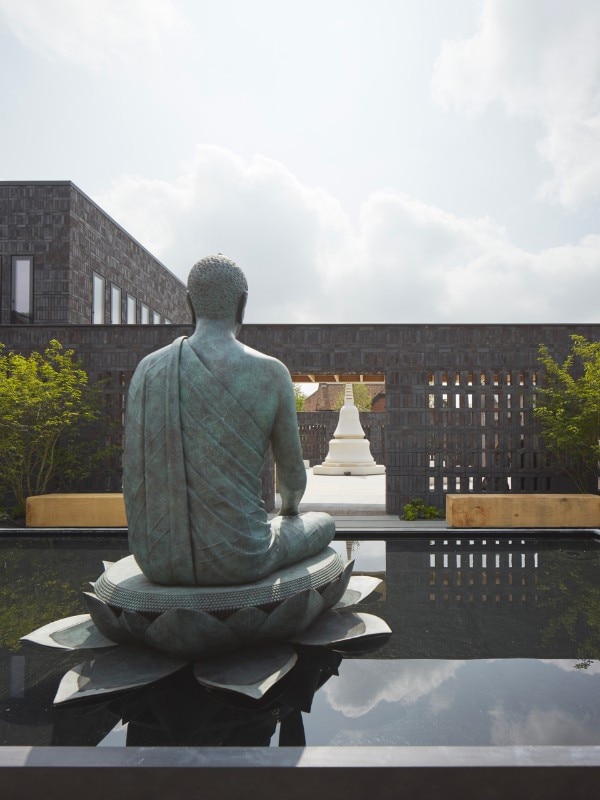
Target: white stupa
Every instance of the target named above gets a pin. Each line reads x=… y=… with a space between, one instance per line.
x=349 y=451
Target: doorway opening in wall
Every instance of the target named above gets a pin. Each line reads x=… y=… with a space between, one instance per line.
x=345 y=473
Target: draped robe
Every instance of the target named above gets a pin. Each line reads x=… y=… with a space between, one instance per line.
x=191 y=480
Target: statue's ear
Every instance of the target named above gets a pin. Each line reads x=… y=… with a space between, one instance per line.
x=191 y=305
x=239 y=315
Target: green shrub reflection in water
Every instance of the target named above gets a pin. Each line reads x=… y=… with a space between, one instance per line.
x=43 y=579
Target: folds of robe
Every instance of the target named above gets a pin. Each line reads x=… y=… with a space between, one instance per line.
x=191 y=480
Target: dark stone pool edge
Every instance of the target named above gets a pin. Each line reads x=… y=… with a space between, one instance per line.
x=276 y=773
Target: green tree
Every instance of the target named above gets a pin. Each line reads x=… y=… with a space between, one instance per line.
x=568 y=408
x=362 y=397
x=45 y=405
x=300 y=397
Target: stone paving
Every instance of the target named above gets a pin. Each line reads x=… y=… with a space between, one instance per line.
x=357 y=502
x=344 y=494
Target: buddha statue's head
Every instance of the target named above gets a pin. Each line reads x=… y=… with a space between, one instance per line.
x=217 y=289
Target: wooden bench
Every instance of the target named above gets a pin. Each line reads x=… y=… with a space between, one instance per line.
x=523 y=510
x=87 y=510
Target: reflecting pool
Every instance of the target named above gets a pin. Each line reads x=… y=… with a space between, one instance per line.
x=496 y=641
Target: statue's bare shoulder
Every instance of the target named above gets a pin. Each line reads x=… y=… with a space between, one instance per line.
x=264 y=382
x=269 y=367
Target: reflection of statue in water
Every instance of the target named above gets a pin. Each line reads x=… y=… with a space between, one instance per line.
x=180 y=711
x=200 y=416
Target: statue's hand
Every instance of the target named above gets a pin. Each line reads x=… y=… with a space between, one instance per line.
x=288 y=511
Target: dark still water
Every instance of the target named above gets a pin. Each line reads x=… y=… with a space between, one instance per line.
x=496 y=641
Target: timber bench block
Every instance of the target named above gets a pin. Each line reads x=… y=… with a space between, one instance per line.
x=523 y=510
x=85 y=510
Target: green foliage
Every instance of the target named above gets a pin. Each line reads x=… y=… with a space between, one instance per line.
x=42 y=581
x=300 y=397
x=362 y=397
x=45 y=403
x=418 y=509
x=568 y=408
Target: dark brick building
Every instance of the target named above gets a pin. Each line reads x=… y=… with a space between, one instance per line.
x=64 y=261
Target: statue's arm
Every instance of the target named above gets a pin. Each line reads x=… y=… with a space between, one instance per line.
x=285 y=442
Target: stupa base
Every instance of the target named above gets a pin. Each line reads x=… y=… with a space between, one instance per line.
x=348 y=469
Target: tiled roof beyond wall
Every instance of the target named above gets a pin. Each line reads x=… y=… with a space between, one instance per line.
x=327 y=395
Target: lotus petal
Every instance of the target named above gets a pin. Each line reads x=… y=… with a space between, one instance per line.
x=106 y=620
x=245 y=622
x=335 y=590
x=134 y=624
x=113 y=671
x=291 y=616
x=187 y=633
x=107 y=564
x=334 y=627
x=70 y=633
x=359 y=587
x=250 y=672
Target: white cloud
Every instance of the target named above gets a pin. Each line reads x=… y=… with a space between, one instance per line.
x=281 y=233
x=98 y=35
x=402 y=681
x=403 y=261
x=539 y=59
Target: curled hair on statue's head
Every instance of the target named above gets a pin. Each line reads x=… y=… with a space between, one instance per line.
x=217 y=288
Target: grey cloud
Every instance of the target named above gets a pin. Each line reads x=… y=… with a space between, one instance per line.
x=542 y=63
x=539 y=727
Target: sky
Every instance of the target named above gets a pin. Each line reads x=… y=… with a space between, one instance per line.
x=363 y=161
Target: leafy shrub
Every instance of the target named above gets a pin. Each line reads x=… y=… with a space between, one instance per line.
x=417 y=509
x=45 y=405
x=568 y=408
